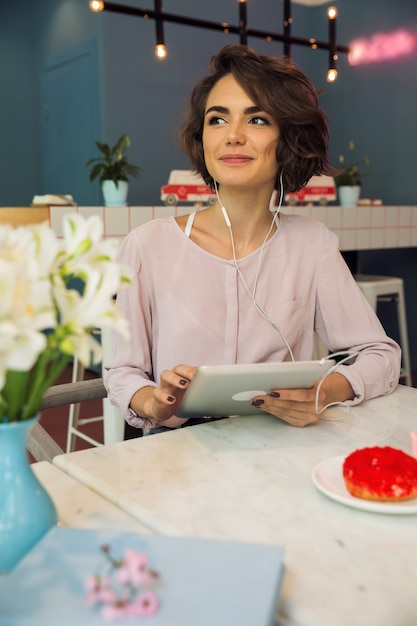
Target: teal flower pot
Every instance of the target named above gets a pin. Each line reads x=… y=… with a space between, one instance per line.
x=349 y=195
x=114 y=196
x=26 y=510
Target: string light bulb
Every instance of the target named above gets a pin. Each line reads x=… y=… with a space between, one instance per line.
x=331 y=75
x=332 y=13
x=160 y=51
x=96 y=5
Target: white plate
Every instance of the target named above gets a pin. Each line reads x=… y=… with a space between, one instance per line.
x=328 y=478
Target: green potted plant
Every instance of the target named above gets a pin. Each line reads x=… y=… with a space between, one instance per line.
x=112 y=168
x=349 y=179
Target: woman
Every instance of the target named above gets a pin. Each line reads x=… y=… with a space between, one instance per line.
x=233 y=282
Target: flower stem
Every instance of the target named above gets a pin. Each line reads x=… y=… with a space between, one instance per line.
x=44 y=374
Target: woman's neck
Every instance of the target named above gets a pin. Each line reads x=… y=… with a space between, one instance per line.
x=249 y=228
x=250 y=218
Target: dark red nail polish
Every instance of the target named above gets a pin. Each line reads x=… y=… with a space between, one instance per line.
x=257 y=402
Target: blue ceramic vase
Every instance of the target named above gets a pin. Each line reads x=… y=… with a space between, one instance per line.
x=349 y=195
x=114 y=196
x=26 y=509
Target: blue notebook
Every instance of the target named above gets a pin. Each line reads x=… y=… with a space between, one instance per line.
x=202 y=582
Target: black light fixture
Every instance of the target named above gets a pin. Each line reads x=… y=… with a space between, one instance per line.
x=243 y=22
x=287 y=28
x=332 y=71
x=160 y=49
x=242 y=29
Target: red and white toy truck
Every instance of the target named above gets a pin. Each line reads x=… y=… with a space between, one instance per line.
x=186 y=186
x=320 y=189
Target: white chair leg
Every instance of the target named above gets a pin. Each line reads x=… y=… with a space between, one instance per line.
x=114 y=421
x=74 y=409
x=402 y=323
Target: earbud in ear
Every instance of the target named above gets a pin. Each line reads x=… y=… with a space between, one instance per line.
x=281 y=191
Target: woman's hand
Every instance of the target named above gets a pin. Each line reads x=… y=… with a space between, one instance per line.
x=159 y=404
x=298 y=406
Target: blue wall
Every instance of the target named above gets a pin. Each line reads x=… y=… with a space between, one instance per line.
x=19 y=104
x=375 y=104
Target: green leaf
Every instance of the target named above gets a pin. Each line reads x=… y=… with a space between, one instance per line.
x=43 y=375
x=96 y=171
x=112 y=164
x=13 y=392
x=122 y=144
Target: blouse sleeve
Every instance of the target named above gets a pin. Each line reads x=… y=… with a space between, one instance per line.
x=129 y=367
x=345 y=320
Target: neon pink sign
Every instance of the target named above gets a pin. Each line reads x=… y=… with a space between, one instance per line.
x=382 y=47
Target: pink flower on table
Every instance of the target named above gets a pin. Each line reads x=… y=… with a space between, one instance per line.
x=145 y=604
x=134 y=569
x=120 y=609
x=99 y=590
x=128 y=590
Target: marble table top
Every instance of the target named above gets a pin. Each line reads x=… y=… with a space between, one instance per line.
x=250 y=479
x=79 y=506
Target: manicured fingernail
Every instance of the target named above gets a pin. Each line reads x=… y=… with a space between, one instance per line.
x=171 y=399
x=275 y=394
x=183 y=382
x=257 y=402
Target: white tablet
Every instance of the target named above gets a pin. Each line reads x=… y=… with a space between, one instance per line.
x=224 y=390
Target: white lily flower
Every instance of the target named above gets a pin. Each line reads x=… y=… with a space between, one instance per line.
x=19 y=349
x=44 y=319
x=36 y=243
x=81 y=236
x=48 y=247
x=85 y=250
x=25 y=296
x=87 y=349
x=95 y=307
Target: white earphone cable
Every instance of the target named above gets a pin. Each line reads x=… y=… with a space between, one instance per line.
x=253 y=292
x=276 y=220
x=349 y=354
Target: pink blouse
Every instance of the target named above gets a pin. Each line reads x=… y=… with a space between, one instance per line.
x=186 y=305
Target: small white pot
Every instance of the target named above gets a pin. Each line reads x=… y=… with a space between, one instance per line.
x=349 y=195
x=114 y=196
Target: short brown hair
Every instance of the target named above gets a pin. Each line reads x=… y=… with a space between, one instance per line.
x=280 y=89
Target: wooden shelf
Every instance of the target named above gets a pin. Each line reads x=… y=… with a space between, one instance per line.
x=21 y=215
